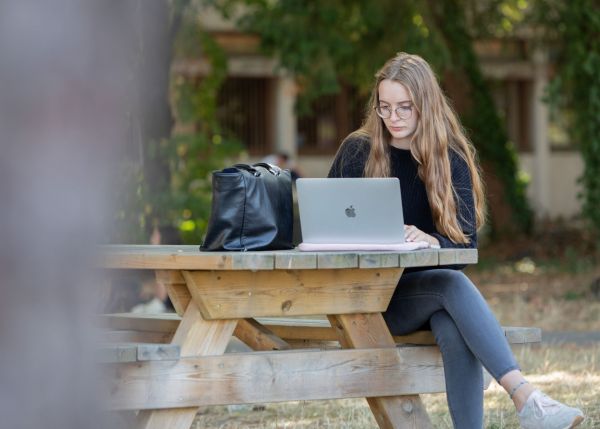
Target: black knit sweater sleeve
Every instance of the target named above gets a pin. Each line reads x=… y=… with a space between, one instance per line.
x=463 y=187
x=351 y=158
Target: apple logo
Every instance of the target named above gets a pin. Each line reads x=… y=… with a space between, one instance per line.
x=350 y=212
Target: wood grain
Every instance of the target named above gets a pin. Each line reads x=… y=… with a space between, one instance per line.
x=244 y=294
x=195 y=337
x=457 y=256
x=166 y=257
x=139 y=328
x=179 y=295
x=112 y=353
x=258 y=337
x=242 y=378
x=163 y=322
x=130 y=336
x=369 y=330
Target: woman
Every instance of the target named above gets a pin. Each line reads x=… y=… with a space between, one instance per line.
x=410 y=132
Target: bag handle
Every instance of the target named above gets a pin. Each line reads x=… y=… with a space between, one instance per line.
x=273 y=169
x=247 y=167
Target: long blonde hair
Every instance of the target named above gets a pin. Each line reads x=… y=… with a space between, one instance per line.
x=438 y=130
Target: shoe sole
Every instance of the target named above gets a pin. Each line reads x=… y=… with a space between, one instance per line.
x=576 y=422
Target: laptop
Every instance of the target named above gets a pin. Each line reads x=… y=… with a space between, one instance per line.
x=350 y=214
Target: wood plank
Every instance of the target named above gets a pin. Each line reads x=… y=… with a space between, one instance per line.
x=258 y=337
x=287 y=328
x=176 y=418
x=130 y=336
x=114 y=353
x=176 y=288
x=457 y=256
x=295 y=260
x=157 y=352
x=169 y=276
x=422 y=258
x=521 y=335
x=242 y=378
x=308 y=336
x=323 y=332
x=244 y=294
x=369 y=330
x=377 y=260
x=162 y=322
x=166 y=257
x=309 y=333
x=196 y=337
x=179 y=295
x=330 y=260
x=252 y=260
x=326 y=333
x=199 y=337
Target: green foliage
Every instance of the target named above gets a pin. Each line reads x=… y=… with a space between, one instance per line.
x=326 y=43
x=495 y=18
x=574 y=27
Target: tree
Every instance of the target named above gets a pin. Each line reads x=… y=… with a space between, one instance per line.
x=166 y=177
x=150 y=121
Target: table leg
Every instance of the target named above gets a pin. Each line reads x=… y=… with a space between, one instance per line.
x=369 y=330
x=196 y=337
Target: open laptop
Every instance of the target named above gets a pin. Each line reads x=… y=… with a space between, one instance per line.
x=350 y=214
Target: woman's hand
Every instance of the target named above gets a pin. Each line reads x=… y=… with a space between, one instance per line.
x=412 y=233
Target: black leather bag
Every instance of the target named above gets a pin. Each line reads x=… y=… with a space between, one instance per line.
x=251 y=209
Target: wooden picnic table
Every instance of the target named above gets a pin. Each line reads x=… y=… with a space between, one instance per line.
x=218 y=294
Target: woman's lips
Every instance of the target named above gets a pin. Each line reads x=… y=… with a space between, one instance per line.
x=397 y=128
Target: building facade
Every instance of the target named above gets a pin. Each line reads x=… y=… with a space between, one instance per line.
x=257 y=103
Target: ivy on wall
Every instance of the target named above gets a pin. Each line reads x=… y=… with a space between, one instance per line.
x=487 y=131
x=573 y=28
x=202 y=145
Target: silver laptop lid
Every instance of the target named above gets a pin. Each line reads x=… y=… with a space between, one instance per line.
x=350 y=211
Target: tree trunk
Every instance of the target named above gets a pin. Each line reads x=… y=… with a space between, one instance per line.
x=152 y=120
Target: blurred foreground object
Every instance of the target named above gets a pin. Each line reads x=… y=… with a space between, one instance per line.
x=63 y=109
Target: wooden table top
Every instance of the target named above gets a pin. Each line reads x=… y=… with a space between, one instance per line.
x=168 y=257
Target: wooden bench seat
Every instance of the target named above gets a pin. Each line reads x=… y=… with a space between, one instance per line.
x=414 y=367
x=158 y=328
x=136 y=352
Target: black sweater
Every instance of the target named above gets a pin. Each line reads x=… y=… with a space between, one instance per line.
x=351 y=160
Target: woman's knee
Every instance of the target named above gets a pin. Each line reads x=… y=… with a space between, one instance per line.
x=457 y=356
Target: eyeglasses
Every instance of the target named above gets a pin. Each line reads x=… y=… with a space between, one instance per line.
x=402 y=112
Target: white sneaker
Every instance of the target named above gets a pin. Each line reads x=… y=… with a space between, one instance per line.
x=543 y=412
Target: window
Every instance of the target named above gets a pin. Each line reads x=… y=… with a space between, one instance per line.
x=243 y=109
x=332 y=119
x=513 y=101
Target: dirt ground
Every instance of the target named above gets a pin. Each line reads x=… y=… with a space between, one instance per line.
x=551 y=281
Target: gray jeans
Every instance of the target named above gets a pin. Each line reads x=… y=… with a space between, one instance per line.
x=465 y=329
